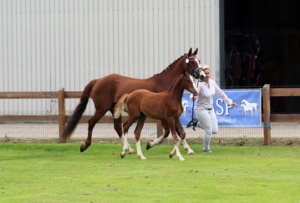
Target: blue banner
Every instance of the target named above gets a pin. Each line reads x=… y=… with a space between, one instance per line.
x=247 y=114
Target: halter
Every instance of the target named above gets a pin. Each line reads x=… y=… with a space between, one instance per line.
x=195 y=73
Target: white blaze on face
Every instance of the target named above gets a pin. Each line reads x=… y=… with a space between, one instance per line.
x=198 y=62
x=192 y=79
x=199 y=65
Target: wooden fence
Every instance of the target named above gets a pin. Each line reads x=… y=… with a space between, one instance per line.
x=61 y=118
x=267 y=93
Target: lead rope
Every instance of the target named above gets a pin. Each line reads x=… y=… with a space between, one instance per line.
x=193 y=113
x=194 y=121
x=194 y=126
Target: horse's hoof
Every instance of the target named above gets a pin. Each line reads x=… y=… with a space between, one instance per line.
x=122 y=156
x=191 y=153
x=82 y=148
x=170 y=155
x=148 y=146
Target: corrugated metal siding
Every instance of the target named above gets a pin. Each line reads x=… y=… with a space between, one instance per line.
x=49 y=44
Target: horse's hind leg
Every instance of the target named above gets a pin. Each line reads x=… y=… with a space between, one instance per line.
x=137 y=133
x=126 y=127
x=92 y=122
x=160 y=139
x=118 y=129
x=177 y=142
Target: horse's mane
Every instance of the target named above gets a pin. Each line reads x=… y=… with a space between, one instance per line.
x=167 y=68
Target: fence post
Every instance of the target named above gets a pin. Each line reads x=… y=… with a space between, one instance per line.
x=266 y=114
x=61 y=113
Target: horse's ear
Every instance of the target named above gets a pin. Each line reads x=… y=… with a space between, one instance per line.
x=195 y=52
x=190 y=52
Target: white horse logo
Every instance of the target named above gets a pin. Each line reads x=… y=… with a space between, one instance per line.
x=185 y=104
x=250 y=107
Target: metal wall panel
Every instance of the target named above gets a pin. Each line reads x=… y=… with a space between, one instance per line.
x=49 y=44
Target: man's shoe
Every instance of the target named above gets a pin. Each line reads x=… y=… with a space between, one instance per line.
x=207 y=150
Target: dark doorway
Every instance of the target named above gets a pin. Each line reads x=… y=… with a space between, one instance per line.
x=262 y=46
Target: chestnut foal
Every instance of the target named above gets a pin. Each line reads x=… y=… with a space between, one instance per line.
x=165 y=106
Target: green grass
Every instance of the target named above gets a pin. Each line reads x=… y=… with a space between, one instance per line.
x=60 y=173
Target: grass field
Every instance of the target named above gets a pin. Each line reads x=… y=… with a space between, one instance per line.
x=60 y=173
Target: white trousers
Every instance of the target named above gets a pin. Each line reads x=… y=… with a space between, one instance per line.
x=208 y=121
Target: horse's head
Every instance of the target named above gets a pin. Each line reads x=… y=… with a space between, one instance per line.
x=193 y=65
x=188 y=84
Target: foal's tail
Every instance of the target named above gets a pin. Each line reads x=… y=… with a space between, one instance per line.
x=72 y=123
x=120 y=106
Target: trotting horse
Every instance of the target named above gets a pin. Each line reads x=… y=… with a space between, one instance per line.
x=165 y=106
x=106 y=91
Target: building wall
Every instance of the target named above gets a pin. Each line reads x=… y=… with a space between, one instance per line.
x=49 y=44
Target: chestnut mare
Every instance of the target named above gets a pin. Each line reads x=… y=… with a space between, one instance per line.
x=106 y=91
x=165 y=106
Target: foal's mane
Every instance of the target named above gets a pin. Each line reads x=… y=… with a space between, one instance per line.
x=171 y=86
x=167 y=68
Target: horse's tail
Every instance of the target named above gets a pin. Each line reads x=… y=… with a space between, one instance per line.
x=120 y=106
x=72 y=123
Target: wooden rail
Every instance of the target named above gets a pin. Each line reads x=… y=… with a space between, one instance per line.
x=61 y=118
x=62 y=95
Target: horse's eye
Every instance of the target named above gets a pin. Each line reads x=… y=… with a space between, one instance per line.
x=187 y=81
x=192 y=62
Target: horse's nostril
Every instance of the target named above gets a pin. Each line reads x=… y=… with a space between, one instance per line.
x=202 y=78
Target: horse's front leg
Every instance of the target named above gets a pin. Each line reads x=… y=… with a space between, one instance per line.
x=187 y=147
x=176 y=141
x=181 y=132
x=160 y=138
x=176 y=149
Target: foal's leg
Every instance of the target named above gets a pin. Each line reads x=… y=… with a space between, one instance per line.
x=182 y=134
x=125 y=144
x=126 y=127
x=177 y=142
x=187 y=147
x=137 y=133
x=92 y=123
x=160 y=139
x=118 y=129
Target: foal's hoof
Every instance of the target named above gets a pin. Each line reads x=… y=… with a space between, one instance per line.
x=142 y=157
x=132 y=152
x=170 y=155
x=122 y=156
x=148 y=146
x=191 y=153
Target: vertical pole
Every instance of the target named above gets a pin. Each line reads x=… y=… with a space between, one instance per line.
x=266 y=114
x=61 y=113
